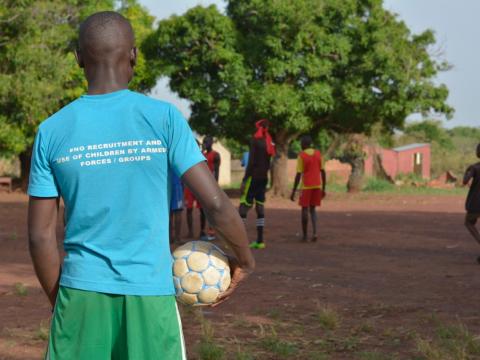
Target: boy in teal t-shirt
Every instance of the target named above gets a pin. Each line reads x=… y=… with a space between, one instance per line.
x=110 y=155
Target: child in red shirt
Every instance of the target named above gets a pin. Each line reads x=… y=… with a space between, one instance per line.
x=309 y=167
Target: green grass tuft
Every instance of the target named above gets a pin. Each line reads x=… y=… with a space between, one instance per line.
x=208 y=349
x=42 y=332
x=280 y=348
x=20 y=289
x=374 y=355
x=451 y=342
x=328 y=318
x=374 y=184
x=241 y=355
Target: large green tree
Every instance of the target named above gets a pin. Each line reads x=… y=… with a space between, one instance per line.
x=306 y=65
x=38 y=72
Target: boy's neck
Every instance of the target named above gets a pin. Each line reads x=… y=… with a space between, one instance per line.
x=102 y=87
x=104 y=80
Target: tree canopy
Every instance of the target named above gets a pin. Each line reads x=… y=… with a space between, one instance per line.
x=38 y=71
x=305 y=65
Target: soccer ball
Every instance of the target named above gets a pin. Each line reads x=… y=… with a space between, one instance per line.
x=200 y=273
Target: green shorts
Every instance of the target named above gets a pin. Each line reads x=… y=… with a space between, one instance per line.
x=96 y=326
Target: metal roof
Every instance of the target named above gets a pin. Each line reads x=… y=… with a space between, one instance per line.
x=409 y=147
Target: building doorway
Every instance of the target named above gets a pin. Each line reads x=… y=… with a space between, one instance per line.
x=418 y=164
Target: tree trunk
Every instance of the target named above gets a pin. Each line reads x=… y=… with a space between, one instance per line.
x=355 y=181
x=279 y=167
x=25 y=159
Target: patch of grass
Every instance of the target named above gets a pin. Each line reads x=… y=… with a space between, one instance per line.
x=274 y=314
x=374 y=355
x=11 y=343
x=380 y=186
x=348 y=344
x=240 y=322
x=365 y=328
x=451 y=342
x=298 y=330
x=328 y=318
x=42 y=332
x=318 y=356
x=242 y=355
x=425 y=190
x=374 y=184
x=20 y=289
x=208 y=349
x=276 y=346
x=333 y=187
x=325 y=345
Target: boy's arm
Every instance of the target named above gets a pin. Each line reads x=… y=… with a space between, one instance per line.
x=224 y=218
x=249 y=166
x=216 y=164
x=298 y=177
x=468 y=175
x=251 y=159
x=324 y=181
x=42 y=242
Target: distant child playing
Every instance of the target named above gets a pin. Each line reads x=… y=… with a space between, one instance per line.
x=254 y=183
x=309 y=167
x=472 y=205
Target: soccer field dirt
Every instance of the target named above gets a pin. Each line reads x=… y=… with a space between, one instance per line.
x=390 y=277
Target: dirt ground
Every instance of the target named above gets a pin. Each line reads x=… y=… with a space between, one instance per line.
x=386 y=273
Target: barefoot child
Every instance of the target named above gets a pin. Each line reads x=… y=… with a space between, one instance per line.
x=309 y=167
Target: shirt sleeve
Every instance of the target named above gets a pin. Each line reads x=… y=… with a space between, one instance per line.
x=42 y=181
x=183 y=151
x=299 y=164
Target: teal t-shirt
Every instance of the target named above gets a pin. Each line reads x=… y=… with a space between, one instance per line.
x=109 y=157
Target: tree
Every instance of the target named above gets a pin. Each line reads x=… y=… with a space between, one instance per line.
x=38 y=71
x=306 y=65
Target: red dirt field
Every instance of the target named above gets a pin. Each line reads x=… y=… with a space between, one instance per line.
x=387 y=272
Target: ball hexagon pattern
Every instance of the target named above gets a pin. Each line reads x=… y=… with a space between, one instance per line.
x=200 y=273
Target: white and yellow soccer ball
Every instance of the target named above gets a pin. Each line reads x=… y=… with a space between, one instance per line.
x=200 y=273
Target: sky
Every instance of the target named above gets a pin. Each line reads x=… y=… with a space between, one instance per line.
x=455 y=27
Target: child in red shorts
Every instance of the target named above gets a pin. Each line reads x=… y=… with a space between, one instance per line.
x=309 y=167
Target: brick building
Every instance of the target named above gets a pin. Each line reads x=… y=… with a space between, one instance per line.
x=408 y=159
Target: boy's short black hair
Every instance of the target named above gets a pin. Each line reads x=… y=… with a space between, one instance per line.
x=306 y=140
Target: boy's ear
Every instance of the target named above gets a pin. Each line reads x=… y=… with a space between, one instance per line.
x=78 y=57
x=133 y=56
